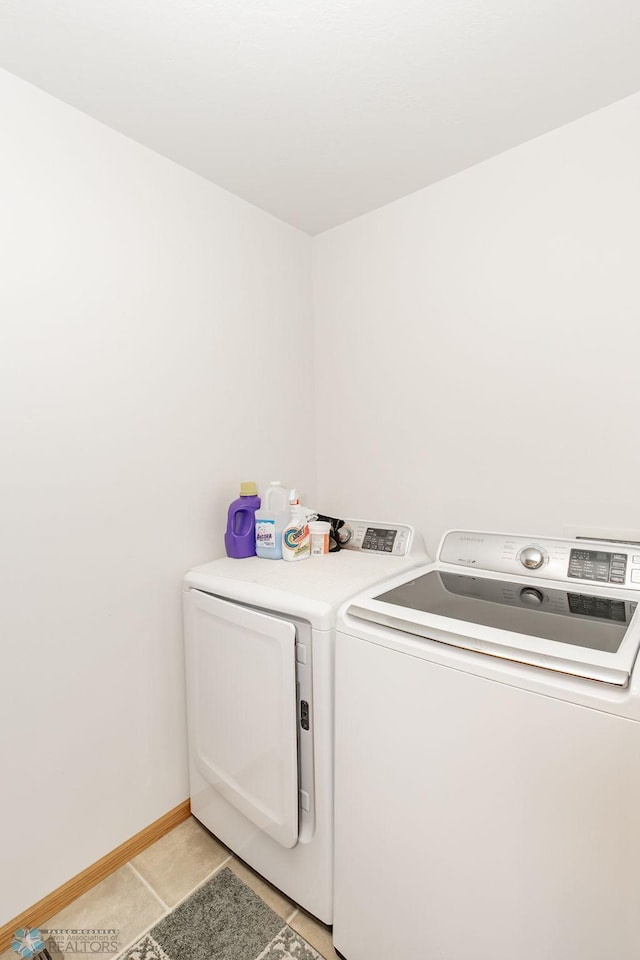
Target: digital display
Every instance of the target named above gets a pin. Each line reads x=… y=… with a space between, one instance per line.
x=379 y=539
x=597 y=565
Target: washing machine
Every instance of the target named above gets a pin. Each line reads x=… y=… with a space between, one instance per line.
x=260 y=637
x=488 y=755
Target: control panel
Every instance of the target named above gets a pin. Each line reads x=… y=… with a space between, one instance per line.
x=594 y=562
x=392 y=539
x=598 y=565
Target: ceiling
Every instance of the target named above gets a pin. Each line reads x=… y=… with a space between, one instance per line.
x=321 y=110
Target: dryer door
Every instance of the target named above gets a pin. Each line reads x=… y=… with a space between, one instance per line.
x=241 y=684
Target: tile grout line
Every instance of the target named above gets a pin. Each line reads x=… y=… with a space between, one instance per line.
x=291 y=916
x=138 y=936
x=165 y=906
x=168 y=910
x=150 y=927
x=202 y=882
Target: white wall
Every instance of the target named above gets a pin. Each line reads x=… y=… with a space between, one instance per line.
x=147 y=319
x=477 y=343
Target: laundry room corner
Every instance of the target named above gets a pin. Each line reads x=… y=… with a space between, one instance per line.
x=478 y=330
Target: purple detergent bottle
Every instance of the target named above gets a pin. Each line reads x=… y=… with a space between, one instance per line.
x=240 y=538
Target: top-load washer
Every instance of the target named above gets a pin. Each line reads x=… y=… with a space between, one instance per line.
x=488 y=738
x=259 y=640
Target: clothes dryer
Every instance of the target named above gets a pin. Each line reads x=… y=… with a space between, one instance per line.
x=260 y=638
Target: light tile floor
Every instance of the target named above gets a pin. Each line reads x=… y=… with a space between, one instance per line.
x=137 y=895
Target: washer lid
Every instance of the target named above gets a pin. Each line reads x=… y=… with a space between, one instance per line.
x=585 y=632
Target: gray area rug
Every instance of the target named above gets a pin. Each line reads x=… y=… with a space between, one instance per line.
x=222 y=920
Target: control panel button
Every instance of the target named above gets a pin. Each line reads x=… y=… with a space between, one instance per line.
x=635 y=576
x=532 y=558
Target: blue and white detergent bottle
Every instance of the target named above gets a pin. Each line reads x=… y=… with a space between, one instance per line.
x=271 y=520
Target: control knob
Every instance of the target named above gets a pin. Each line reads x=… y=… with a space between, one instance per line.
x=531 y=597
x=532 y=558
x=345 y=533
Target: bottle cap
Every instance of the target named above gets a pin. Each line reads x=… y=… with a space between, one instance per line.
x=248 y=489
x=319 y=526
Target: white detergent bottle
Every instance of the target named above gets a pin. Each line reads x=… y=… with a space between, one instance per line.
x=296 y=540
x=271 y=519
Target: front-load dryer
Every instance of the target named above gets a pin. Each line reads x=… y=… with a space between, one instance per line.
x=259 y=638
